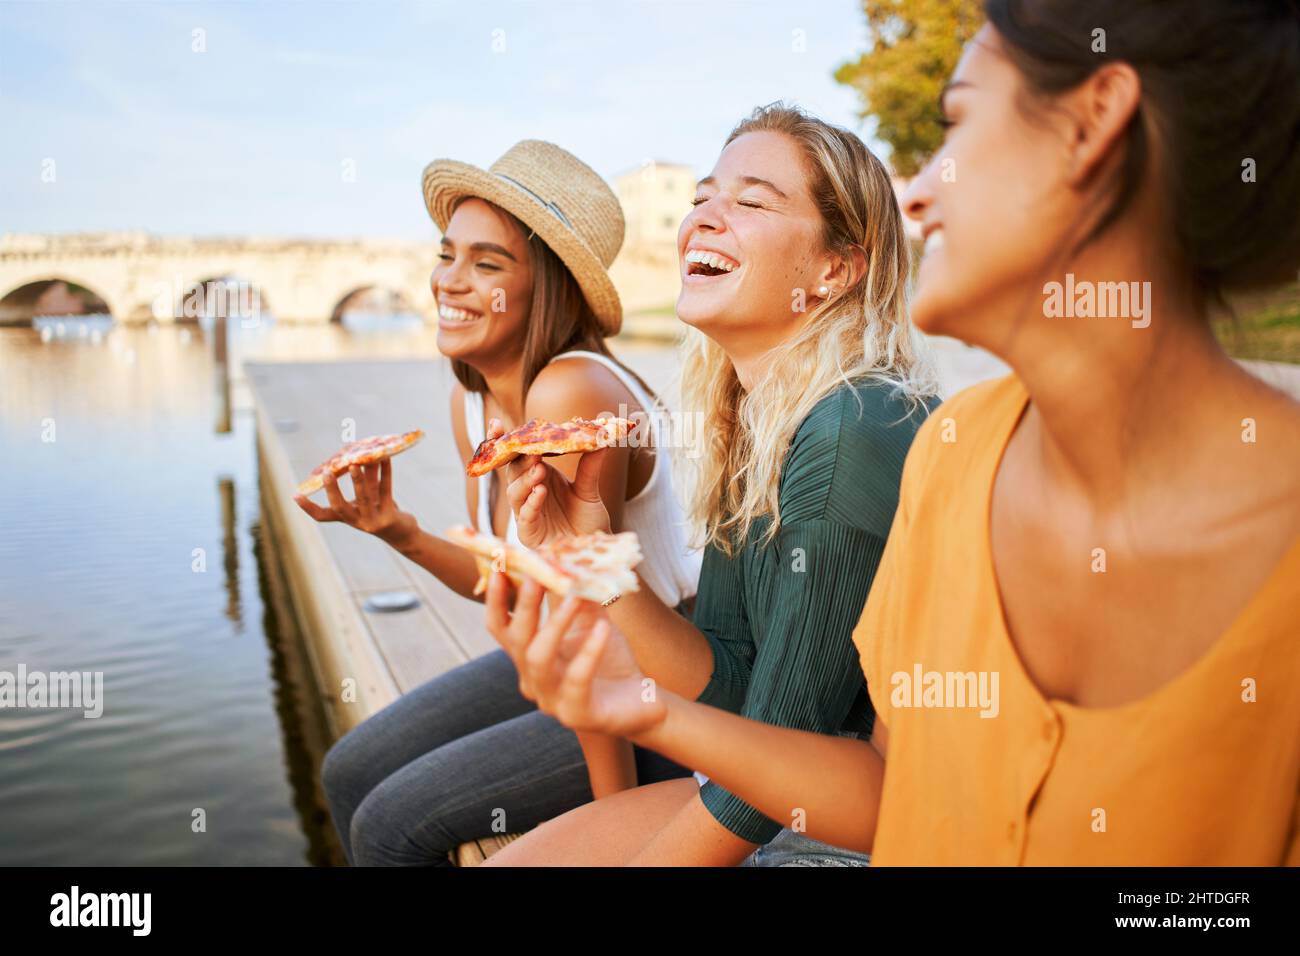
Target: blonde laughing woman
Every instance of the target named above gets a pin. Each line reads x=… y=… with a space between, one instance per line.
x=802 y=360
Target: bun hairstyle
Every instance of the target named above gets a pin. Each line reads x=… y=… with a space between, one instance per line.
x=1220 y=101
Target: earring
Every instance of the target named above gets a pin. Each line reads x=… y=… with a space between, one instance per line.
x=823 y=291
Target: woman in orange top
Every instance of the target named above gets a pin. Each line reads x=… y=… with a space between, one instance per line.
x=1082 y=641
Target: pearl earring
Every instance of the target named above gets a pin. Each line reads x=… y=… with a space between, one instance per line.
x=823 y=291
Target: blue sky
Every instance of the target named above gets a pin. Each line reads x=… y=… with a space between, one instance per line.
x=250 y=136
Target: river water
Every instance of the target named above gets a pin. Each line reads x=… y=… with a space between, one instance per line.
x=131 y=545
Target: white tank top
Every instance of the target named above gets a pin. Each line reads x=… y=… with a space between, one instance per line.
x=669 y=566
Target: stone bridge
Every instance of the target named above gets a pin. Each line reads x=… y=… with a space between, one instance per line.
x=136 y=276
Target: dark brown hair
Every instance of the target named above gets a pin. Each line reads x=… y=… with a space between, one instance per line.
x=1220 y=87
x=559 y=319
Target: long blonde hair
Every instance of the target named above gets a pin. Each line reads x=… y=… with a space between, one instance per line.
x=862 y=332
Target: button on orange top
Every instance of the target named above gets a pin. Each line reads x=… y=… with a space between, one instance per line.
x=1190 y=774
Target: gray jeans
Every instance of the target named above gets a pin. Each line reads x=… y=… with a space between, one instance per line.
x=460 y=757
x=466 y=756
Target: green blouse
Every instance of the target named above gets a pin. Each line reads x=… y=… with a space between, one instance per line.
x=780 y=618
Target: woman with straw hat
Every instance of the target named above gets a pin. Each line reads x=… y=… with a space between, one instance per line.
x=525 y=303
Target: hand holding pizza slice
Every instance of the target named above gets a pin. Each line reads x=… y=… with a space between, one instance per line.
x=542 y=438
x=594 y=567
x=367 y=451
x=369 y=462
x=576 y=664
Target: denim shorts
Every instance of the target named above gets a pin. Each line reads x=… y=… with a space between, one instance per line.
x=795 y=849
x=789 y=848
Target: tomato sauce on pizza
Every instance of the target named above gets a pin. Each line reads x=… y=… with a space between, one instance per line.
x=367 y=451
x=540 y=437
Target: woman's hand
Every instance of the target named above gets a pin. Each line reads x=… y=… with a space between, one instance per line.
x=373 y=511
x=577 y=666
x=546 y=504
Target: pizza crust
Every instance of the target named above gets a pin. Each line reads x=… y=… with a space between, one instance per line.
x=367 y=451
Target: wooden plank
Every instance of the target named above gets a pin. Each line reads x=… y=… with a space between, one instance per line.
x=415 y=644
x=476 y=851
x=461 y=617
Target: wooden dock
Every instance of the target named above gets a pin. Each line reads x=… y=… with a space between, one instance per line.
x=364 y=660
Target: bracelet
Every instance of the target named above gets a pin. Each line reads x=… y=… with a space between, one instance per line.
x=610 y=600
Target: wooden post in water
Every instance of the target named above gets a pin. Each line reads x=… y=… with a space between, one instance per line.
x=230 y=549
x=221 y=358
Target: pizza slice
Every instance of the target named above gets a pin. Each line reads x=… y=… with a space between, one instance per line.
x=594 y=567
x=367 y=451
x=540 y=437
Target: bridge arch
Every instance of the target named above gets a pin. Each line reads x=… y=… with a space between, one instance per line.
x=228 y=294
x=52 y=294
x=374 y=298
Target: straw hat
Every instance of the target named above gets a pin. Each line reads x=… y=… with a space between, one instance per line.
x=557 y=195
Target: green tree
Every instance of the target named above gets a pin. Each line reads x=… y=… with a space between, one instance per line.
x=914 y=47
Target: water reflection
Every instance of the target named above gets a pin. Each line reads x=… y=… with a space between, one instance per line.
x=92 y=327
x=110 y=430
x=221 y=372
x=303 y=722
x=230 y=549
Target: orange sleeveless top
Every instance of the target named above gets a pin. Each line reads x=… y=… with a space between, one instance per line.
x=1205 y=770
